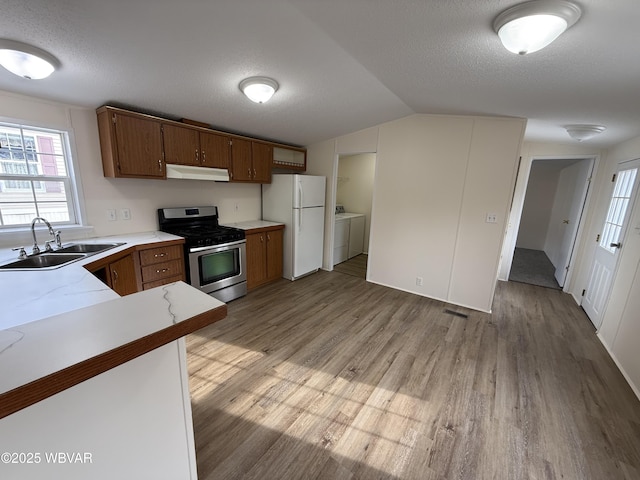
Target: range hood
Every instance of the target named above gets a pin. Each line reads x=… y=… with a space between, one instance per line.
x=197 y=173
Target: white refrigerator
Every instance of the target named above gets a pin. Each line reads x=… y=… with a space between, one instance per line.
x=298 y=202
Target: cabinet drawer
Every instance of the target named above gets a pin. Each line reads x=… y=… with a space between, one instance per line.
x=164 y=281
x=158 y=271
x=152 y=256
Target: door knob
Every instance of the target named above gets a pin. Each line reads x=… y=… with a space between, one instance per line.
x=615 y=245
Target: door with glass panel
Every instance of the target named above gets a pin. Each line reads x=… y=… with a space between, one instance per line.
x=611 y=241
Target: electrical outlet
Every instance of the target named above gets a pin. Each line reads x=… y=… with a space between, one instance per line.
x=492 y=218
x=419 y=281
x=111 y=215
x=125 y=214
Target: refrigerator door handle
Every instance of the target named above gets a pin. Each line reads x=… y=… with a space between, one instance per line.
x=301 y=193
x=299 y=220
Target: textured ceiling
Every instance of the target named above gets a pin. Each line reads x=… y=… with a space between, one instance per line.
x=342 y=65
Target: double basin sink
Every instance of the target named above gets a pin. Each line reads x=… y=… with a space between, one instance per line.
x=60 y=257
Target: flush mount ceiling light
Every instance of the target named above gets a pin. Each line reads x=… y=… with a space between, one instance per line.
x=584 y=132
x=259 y=89
x=26 y=60
x=531 y=26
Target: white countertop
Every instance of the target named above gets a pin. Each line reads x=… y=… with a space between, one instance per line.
x=34 y=350
x=57 y=325
x=347 y=215
x=26 y=296
x=251 y=224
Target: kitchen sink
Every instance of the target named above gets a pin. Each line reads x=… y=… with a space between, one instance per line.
x=91 y=248
x=43 y=261
x=58 y=258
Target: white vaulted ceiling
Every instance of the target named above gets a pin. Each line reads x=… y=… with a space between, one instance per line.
x=342 y=65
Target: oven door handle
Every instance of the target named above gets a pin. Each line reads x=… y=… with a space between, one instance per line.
x=213 y=248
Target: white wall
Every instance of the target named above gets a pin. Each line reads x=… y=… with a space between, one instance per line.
x=355 y=186
x=538 y=205
x=143 y=197
x=436 y=179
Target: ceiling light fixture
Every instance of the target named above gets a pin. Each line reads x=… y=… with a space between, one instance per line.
x=26 y=61
x=584 y=132
x=531 y=26
x=259 y=89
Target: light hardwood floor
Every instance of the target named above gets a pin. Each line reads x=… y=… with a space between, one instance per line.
x=331 y=377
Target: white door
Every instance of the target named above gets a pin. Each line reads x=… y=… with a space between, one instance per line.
x=610 y=240
x=308 y=240
x=309 y=191
x=579 y=174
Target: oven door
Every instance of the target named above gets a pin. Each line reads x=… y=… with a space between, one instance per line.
x=219 y=268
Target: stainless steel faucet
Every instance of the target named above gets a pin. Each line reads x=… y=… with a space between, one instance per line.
x=36 y=249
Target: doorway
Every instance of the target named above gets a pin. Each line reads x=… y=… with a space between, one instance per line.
x=551 y=216
x=352 y=213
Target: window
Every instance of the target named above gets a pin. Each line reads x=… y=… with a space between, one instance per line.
x=35 y=179
x=625 y=179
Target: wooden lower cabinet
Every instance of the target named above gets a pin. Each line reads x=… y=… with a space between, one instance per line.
x=141 y=267
x=264 y=255
x=161 y=265
x=122 y=275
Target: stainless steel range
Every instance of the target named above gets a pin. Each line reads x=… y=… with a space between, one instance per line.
x=215 y=255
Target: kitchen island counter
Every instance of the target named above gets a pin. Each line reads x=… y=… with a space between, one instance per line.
x=104 y=378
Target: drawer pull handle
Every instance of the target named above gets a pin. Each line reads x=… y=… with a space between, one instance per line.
x=164 y=270
x=160 y=255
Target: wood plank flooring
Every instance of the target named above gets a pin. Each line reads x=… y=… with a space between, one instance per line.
x=331 y=377
x=356 y=266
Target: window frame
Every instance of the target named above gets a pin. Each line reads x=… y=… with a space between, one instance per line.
x=71 y=183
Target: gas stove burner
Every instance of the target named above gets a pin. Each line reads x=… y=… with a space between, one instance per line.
x=198 y=226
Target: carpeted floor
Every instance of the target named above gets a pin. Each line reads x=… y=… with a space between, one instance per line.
x=533 y=267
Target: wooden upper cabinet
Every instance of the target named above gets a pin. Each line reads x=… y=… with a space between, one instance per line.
x=262 y=154
x=139 y=146
x=214 y=150
x=251 y=161
x=181 y=145
x=131 y=145
x=241 y=167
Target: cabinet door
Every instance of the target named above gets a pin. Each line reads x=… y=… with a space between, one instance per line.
x=122 y=275
x=241 y=168
x=138 y=147
x=256 y=261
x=262 y=157
x=180 y=145
x=214 y=150
x=274 y=254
